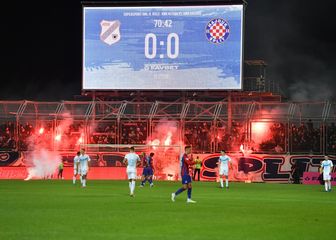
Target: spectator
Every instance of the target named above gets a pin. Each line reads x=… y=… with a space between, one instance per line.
x=60 y=171
x=197 y=168
x=278 y=149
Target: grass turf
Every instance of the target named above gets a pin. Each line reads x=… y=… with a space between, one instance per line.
x=52 y=209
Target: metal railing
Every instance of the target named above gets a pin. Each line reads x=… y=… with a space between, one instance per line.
x=295 y=127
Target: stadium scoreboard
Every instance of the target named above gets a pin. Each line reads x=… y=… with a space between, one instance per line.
x=162 y=48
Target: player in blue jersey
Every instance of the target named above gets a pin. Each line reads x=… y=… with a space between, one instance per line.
x=148 y=170
x=223 y=165
x=186 y=164
x=84 y=160
x=132 y=160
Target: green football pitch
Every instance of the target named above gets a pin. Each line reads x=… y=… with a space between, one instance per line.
x=57 y=209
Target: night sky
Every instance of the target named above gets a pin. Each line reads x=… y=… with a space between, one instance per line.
x=41 y=48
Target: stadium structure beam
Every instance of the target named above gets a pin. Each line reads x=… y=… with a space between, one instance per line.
x=204 y=110
x=59 y=109
x=90 y=110
x=162 y=110
x=184 y=111
x=250 y=111
x=326 y=110
x=161 y=2
x=218 y=110
x=153 y=110
x=291 y=110
x=21 y=109
x=114 y=110
x=121 y=110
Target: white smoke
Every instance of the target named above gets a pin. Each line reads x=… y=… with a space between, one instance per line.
x=43 y=163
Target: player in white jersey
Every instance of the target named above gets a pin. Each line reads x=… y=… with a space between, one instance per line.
x=326 y=169
x=223 y=166
x=132 y=160
x=76 y=168
x=84 y=160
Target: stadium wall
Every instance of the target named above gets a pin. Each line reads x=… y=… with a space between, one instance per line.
x=250 y=167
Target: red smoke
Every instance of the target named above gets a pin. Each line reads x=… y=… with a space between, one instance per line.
x=167 y=148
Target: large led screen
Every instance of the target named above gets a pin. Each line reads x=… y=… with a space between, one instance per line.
x=163 y=48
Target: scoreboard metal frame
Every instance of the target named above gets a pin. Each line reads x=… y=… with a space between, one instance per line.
x=156 y=3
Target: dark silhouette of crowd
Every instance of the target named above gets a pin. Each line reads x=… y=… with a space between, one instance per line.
x=230 y=140
x=305 y=137
x=7 y=136
x=276 y=142
x=331 y=138
x=204 y=136
x=133 y=133
x=104 y=133
x=198 y=135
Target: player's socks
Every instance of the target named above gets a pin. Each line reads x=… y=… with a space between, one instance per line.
x=329 y=186
x=150 y=180
x=227 y=183
x=84 y=182
x=221 y=182
x=81 y=179
x=173 y=197
x=189 y=193
x=326 y=186
x=73 y=180
x=143 y=182
x=179 y=191
x=133 y=186
x=130 y=186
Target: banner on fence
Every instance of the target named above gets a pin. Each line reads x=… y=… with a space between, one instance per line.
x=251 y=167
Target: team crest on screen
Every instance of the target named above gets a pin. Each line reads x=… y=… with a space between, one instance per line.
x=217 y=30
x=110 y=31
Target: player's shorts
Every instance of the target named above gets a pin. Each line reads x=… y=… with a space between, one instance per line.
x=83 y=171
x=186 y=179
x=147 y=171
x=76 y=171
x=131 y=173
x=326 y=177
x=224 y=171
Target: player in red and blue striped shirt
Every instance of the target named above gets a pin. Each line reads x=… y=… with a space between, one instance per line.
x=148 y=170
x=186 y=164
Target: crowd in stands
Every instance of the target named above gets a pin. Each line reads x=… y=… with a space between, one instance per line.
x=276 y=141
x=25 y=131
x=133 y=133
x=231 y=140
x=198 y=135
x=7 y=136
x=331 y=138
x=306 y=137
x=104 y=133
x=72 y=136
x=205 y=137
